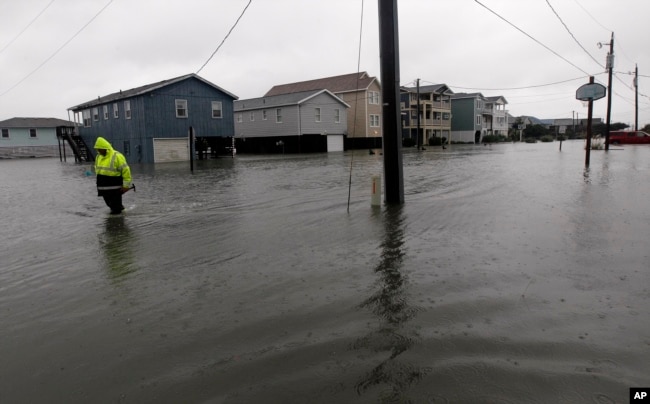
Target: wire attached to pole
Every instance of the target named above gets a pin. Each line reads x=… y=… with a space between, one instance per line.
x=356 y=99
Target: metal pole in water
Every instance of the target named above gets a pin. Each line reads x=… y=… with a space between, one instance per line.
x=589 y=115
x=191 y=140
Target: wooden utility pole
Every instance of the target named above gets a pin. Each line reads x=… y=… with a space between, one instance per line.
x=636 y=97
x=419 y=143
x=610 y=66
x=389 y=65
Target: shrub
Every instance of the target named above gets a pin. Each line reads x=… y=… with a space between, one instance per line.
x=546 y=138
x=408 y=142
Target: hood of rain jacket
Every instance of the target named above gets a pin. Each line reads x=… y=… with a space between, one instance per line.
x=102 y=143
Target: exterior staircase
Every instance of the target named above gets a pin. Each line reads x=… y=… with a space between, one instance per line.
x=81 y=151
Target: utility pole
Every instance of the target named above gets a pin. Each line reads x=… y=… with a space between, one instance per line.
x=573 y=122
x=389 y=72
x=418 y=116
x=610 y=68
x=636 y=97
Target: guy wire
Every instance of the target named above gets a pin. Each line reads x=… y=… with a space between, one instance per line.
x=356 y=99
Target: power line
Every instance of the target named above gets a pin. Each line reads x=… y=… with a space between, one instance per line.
x=58 y=50
x=529 y=36
x=571 y=33
x=592 y=17
x=517 y=88
x=226 y=37
x=27 y=26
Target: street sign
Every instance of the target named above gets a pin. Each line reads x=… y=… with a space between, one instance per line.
x=591 y=91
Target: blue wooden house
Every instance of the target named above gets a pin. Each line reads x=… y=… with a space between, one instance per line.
x=151 y=124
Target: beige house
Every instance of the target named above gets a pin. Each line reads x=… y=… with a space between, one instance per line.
x=434 y=117
x=358 y=90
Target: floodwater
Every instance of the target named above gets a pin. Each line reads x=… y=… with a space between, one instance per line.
x=511 y=274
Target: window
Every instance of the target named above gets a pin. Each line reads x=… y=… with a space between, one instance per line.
x=373 y=97
x=240 y=118
x=317 y=114
x=5 y=133
x=95 y=114
x=86 y=115
x=337 y=115
x=126 y=150
x=127 y=109
x=278 y=115
x=374 y=121
x=216 y=109
x=252 y=116
x=105 y=111
x=264 y=114
x=181 y=108
x=32 y=133
x=116 y=112
x=478 y=119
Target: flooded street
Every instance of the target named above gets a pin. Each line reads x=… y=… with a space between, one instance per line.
x=511 y=274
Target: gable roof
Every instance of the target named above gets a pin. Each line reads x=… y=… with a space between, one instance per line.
x=120 y=95
x=35 y=123
x=336 y=84
x=282 y=100
x=433 y=88
x=497 y=98
x=467 y=95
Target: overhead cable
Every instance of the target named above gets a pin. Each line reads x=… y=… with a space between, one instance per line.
x=58 y=50
x=531 y=37
x=226 y=37
x=573 y=36
x=27 y=26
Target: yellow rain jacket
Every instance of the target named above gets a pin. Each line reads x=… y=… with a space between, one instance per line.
x=113 y=173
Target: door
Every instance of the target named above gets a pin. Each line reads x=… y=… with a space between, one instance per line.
x=167 y=150
x=334 y=143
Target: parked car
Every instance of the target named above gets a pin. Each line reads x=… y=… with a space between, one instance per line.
x=628 y=137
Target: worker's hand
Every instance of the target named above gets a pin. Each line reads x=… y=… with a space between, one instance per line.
x=125 y=189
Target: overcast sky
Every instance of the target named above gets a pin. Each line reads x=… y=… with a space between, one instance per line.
x=55 y=54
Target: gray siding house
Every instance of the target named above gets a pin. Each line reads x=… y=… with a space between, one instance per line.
x=475 y=116
x=361 y=92
x=151 y=123
x=32 y=137
x=301 y=122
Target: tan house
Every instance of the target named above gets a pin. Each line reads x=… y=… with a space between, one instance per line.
x=358 y=90
x=434 y=117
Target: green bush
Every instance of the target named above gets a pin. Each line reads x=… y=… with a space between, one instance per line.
x=437 y=141
x=494 y=138
x=408 y=142
x=546 y=138
x=530 y=140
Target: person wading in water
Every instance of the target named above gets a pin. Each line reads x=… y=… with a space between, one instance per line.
x=113 y=175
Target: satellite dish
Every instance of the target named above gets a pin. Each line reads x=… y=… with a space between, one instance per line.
x=600 y=45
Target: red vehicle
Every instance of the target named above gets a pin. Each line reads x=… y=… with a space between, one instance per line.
x=628 y=137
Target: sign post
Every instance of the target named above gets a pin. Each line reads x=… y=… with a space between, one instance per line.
x=590 y=92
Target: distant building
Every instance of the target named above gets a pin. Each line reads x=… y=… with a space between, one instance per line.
x=32 y=137
x=301 y=122
x=475 y=116
x=361 y=92
x=150 y=124
x=434 y=108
